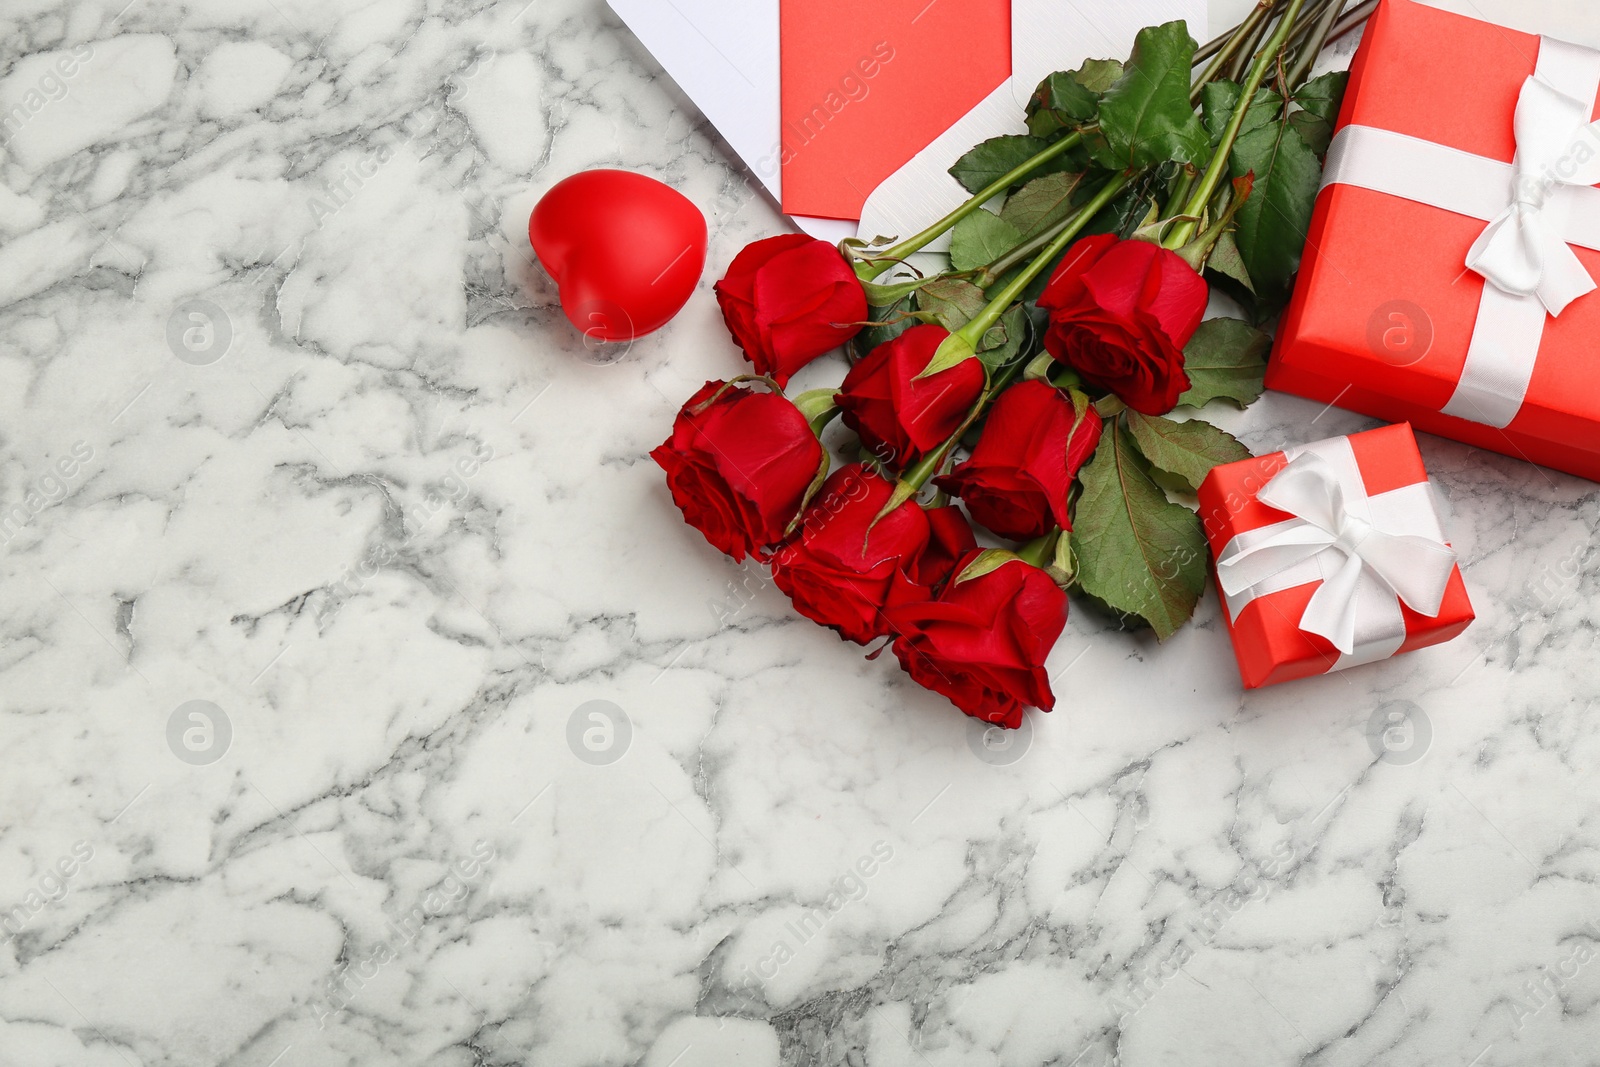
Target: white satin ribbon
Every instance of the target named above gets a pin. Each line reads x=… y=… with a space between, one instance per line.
x=1536 y=207
x=1523 y=251
x=1370 y=553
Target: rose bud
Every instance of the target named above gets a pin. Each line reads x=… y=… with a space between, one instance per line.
x=842 y=574
x=738 y=464
x=1120 y=314
x=789 y=299
x=899 y=417
x=983 y=643
x=1019 y=479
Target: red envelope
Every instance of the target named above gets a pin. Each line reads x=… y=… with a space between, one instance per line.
x=866 y=86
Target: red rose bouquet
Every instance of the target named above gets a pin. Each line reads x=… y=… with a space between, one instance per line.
x=1034 y=378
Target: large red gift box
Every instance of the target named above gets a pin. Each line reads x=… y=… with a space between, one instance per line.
x=1385 y=310
x=1391 y=487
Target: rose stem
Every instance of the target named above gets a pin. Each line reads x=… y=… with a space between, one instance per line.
x=1312 y=48
x=1228 y=45
x=1247 y=93
x=1025 y=251
x=972 y=333
x=1038 y=550
x=1354 y=19
x=867 y=270
x=1240 y=62
x=1213 y=46
x=917 y=475
x=1022 y=253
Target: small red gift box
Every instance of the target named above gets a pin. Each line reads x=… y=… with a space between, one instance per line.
x=1360 y=557
x=1452 y=149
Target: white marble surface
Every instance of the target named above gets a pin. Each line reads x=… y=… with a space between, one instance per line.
x=400 y=530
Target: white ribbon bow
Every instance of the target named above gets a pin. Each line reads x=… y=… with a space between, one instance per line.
x=1524 y=250
x=1415 y=569
x=1535 y=209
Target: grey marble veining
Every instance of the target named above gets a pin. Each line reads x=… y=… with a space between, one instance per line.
x=363 y=699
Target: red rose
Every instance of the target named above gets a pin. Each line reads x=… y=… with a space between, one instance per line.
x=899 y=417
x=1120 y=314
x=983 y=643
x=949 y=541
x=841 y=575
x=1019 y=477
x=787 y=300
x=739 y=466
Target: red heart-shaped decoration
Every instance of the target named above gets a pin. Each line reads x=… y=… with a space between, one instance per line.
x=625 y=249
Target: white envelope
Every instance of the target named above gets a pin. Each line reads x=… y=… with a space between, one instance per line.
x=724 y=54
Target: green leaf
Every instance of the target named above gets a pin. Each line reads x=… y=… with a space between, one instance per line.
x=950 y=302
x=1070 y=99
x=981 y=238
x=1061 y=102
x=1273 y=222
x=1005 y=338
x=1041 y=203
x=1323 y=96
x=1098 y=75
x=998 y=156
x=1319 y=100
x=1217 y=103
x=1225 y=360
x=887 y=294
x=1146 y=117
x=1225 y=260
x=1138 y=552
x=1186 y=450
x=1122 y=216
x=1130 y=210
x=1316 y=133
